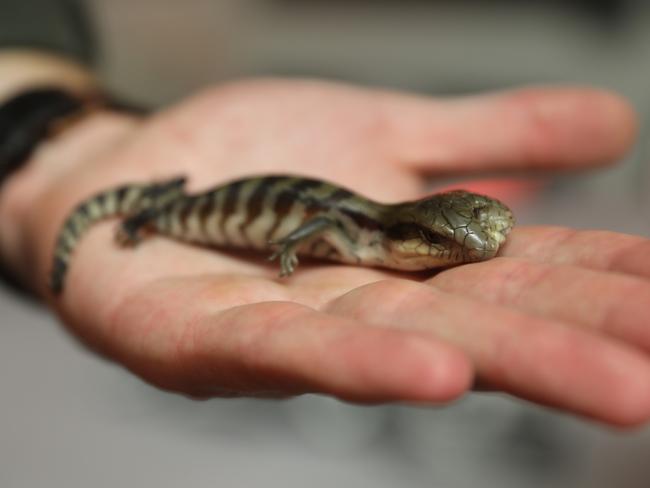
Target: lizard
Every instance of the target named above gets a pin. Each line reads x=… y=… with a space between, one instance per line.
x=290 y=215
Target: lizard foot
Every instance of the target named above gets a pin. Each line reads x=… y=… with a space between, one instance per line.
x=127 y=235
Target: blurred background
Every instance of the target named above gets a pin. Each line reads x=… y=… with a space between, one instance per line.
x=67 y=418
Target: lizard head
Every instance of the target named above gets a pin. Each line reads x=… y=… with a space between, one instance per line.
x=447 y=228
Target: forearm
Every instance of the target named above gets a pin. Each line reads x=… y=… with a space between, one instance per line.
x=22 y=68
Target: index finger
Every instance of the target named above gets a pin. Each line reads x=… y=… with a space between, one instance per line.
x=594 y=249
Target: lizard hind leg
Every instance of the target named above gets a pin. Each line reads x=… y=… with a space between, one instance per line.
x=130 y=231
x=152 y=203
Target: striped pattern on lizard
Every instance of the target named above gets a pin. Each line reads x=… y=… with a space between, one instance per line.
x=293 y=215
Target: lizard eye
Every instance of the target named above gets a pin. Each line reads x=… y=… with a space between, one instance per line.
x=477 y=212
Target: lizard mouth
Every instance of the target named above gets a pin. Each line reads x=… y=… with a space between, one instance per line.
x=418 y=254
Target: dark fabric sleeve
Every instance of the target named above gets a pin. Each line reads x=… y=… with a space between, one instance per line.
x=56 y=25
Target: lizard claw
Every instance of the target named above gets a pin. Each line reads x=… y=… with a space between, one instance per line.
x=288 y=263
x=287 y=255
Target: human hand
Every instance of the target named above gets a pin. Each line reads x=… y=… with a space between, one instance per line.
x=559 y=318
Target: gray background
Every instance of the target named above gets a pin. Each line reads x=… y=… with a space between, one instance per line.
x=70 y=419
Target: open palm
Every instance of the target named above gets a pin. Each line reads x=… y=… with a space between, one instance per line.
x=560 y=318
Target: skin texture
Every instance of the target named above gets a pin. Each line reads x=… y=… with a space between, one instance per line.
x=560 y=318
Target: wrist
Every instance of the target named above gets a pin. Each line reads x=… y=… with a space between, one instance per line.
x=48 y=183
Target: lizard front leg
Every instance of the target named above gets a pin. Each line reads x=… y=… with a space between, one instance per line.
x=289 y=245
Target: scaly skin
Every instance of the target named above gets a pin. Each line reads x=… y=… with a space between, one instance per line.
x=295 y=215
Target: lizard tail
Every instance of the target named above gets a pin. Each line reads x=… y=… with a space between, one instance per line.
x=120 y=201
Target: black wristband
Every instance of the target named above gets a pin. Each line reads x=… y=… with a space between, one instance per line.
x=26 y=119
